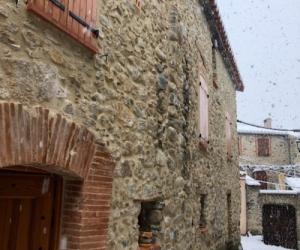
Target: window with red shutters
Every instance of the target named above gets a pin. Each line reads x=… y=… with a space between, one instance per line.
x=263 y=146
x=77 y=18
x=228 y=133
x=203 y=113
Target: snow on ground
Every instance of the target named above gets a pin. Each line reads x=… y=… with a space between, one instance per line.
x=256 y=243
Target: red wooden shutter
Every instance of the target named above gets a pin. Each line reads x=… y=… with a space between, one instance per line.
x=263 y=146
x=203 y=112
x=228 y=136
x=63 y=14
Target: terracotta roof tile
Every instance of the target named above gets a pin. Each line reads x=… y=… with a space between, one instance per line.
x=218 y=29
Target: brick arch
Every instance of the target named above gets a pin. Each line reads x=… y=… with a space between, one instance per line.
x=40 y=138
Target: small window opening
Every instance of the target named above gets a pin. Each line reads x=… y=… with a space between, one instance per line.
x=214 y=63
x=149 y=221
x=229 y=222
x=203 y=221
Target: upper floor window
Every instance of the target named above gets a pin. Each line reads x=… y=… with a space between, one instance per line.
x=203 y=112
x=263 y=146
x=76 y=18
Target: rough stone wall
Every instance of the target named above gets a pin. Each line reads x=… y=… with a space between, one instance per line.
x=142 y=103
x=254 y=215
x=279 y=153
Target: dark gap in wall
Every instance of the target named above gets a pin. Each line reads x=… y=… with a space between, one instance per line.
x=229 y=222
x=203 y=208
x=186 y=113
x=149 y=221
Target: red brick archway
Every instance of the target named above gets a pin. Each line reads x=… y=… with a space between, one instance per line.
x=41 y=139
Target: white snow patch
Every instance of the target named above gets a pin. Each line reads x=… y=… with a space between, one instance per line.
x=251 y=182
x=256 y=243
x=246 y=129
x=293 y=182
x=271 y=191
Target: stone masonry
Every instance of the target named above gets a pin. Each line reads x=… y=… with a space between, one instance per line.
x=137 y=98
x=283 y=147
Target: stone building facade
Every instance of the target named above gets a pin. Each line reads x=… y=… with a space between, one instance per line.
x=109 y=126
x=270 y=156
x=282 y=148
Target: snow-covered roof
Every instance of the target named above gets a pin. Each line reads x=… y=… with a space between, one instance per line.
x=288 y=170
x=271 y=191
x=251 y=182
x=293 y=182
x=246 y=129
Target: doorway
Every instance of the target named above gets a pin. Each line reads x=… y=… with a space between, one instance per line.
x=279 y=226
x=30 y=205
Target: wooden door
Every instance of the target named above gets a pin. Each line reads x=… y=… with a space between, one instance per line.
x=27 y=211
x=279 y=226
x=262 y=177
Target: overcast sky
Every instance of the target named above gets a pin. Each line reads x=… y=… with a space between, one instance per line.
x=265 y=38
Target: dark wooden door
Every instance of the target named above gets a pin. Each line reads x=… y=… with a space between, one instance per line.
x=262 y=177
x=26 y=211
x=279 y=226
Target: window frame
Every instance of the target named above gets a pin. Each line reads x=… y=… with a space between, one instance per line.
x=61 y=18
x=203 y=113
x=258 y=146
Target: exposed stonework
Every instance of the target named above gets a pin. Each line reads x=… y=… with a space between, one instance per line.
x=283 y=148
x=254 y=213
x=138 y=96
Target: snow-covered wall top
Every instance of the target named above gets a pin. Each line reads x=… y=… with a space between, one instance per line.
x=246 y=129
x=293 y=182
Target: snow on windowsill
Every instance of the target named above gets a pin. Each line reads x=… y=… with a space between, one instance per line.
x=251 y=182
x=293 y=182
x=278 y=192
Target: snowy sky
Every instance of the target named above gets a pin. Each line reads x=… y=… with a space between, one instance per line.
x=265 y=38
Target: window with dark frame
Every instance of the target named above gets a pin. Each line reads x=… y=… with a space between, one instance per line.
x=263 y=146
x=203 y=113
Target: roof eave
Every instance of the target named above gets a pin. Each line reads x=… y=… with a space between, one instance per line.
x=217 y=28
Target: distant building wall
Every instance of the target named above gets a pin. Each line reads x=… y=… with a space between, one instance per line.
x=279 y=150
x=253 y=210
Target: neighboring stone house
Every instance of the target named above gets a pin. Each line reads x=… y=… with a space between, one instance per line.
x=117 y=126
x=263 y=146
x=273 y=213
x=268 y=160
